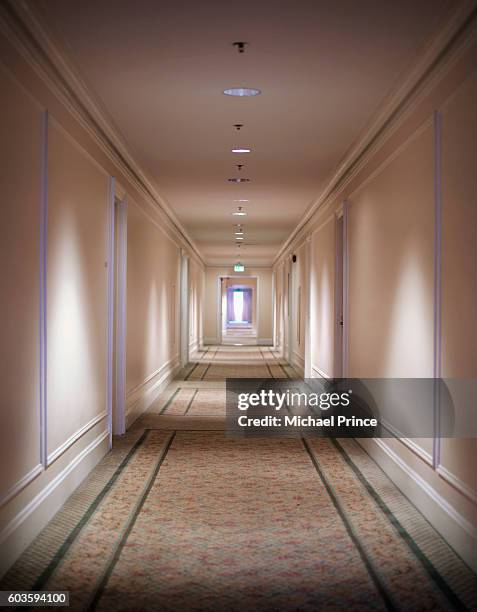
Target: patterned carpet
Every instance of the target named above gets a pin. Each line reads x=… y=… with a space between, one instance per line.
x=196 y=520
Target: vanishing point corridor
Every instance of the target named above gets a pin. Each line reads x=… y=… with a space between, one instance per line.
x=238 y=349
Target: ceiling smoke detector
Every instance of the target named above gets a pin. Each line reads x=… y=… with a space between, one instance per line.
x=238 y=126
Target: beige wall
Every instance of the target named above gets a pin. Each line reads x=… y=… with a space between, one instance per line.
x=153 y=309
x=47 y=447
x=265 y=303
x=20 y=178
x=391 y=215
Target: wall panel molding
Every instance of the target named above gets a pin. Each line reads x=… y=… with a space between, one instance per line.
x=141 y=396
x=23 y=482
x=53 y=456
x=457 y=483
x=43 y=258
x=38 y=511
x=320 y=373
x=454 y=527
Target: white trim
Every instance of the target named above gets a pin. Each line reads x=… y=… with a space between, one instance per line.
x=455 y=528
x=211 y=341
x=110 y=310
x=307 y=301
x=409 y=442
x=53 y=456
x=265 y=341
x=21 y=484
x=457 y=483
x=184 y=305
x=437 y=365
x=141 y=396
x=43 y=294
x=121 y=247
x=21 y=516
x=321 y=373
x=344 y=371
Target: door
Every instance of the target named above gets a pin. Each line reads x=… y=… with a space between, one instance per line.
x=184 y=310
x=119 y=318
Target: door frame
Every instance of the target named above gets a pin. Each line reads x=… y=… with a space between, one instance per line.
x=184 y=310
x=117 y=305
x=341 y=291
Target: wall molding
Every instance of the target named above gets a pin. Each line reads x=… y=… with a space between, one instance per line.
x=53 y=456
x=454 y=527
x=409 y=443
x=321 y=373
x=43 y=264
x=211 y=340
x=265 y=341
x=457 y=483
x=141 y=396
x=21 y=483
x=72 y=470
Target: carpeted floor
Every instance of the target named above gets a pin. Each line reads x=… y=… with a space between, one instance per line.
x=190 y=519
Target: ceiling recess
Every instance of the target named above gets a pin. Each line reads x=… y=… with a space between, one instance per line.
x=242 y=92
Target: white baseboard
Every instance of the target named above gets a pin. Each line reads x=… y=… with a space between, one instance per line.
x=193 y=346
x=32 y=518
x=453 y=527
x=211 y=341
x=317 y=372
x=141 y=397
x=265 y=341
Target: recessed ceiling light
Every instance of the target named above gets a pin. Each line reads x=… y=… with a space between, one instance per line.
x=241 y=150
x=241 y=200
x=238 y=238
x=242 y=92
x=239 y=233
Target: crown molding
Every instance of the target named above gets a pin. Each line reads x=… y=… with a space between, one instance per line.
x=440 y=54
x=29 y=36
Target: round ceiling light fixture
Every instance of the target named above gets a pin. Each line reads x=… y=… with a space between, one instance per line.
x=239 y=212
x=242 y=92
x=241 y=150
x=238 y=238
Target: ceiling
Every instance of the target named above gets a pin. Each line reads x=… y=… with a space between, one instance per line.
x=160 y=66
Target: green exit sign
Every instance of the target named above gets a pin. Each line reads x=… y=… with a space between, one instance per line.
x=239 y=267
